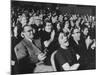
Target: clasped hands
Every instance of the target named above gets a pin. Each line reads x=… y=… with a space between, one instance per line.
x=41 y=56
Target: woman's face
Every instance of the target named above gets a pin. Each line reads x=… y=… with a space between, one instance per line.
x=60 y=18
x=66 y=24
x=76 y=34
x=85 y=31
x=48 y=27
x=63 y=40
x=23 y=21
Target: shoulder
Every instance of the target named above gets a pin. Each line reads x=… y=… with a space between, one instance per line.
x=20 y=44
x=58 y=54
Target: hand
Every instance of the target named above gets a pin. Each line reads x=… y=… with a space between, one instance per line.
x=88 y=41
x=75 y=66
x=52 y=35
x=93 y=46
x=77 y=56
x=41 y=56
x=12 y=62
x=46 y=44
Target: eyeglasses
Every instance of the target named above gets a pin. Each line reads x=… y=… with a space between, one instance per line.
x=29 y=31
x=76 y=32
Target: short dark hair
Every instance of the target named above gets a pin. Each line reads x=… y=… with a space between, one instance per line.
x=24 y=27
x=72 y=31
x=47 y=21
x=83 y=27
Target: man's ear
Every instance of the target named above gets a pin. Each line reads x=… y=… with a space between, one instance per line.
x=72 y=35
x=22 y=34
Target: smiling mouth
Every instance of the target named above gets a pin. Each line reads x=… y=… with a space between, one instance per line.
x=66 y=41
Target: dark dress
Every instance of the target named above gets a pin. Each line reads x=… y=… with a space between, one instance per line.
x=65 y=56
x=50 y=49
x=82 y=51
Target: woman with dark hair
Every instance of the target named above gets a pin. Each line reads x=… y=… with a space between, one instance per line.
x=47 y=38
x=65 y=58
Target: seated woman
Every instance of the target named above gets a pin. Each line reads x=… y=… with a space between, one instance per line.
x=65 y=58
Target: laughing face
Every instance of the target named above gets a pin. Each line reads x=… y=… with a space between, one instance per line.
x=76 y=34
x=48 y=27
x=85 y=31
x=63 y=40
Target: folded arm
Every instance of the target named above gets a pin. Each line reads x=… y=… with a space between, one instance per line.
x=66 y=66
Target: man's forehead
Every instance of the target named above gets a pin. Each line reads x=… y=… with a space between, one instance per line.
x=48 y=23
x=85 y=28
x=76 y=30
x=63 y=36
x=27 y=28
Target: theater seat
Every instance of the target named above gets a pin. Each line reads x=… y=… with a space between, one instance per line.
x=53 y=61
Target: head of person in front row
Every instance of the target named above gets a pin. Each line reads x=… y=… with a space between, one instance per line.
x=63 y=40
x=28 y=32
x=65 y=56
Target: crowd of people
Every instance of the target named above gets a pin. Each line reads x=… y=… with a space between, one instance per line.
x=38 y=33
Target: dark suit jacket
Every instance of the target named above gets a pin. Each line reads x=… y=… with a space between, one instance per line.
x=27 y=51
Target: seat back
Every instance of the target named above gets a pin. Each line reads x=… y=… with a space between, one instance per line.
x=53 y=61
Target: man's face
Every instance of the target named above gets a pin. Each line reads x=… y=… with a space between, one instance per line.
x=37 y=22
x=76 y=34
x=28 y=32
x=48 y=27
x=85 y=31
x=63 y=40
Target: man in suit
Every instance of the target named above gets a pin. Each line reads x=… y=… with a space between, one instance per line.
x=28 y=51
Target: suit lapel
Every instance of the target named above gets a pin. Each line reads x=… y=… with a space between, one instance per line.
x=32 y=49
x=37 y=43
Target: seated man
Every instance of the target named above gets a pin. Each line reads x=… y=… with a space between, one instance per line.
x=28 y=51
x=65 y=58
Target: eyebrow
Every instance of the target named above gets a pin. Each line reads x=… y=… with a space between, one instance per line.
x=29 y=30
x=77 y=32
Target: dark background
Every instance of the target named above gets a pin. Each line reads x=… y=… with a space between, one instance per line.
x=63 y=8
